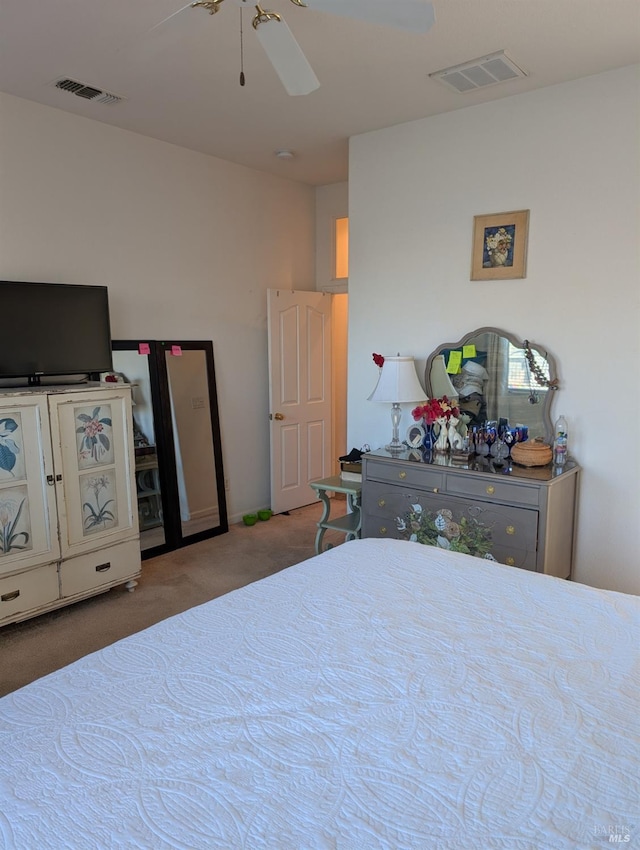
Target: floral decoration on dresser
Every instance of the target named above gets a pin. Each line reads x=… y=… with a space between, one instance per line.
x=378 y=359
x=438 y=528
x=438 y=410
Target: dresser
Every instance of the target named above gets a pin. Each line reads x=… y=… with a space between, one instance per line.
x=520 y=516
x=68 y=512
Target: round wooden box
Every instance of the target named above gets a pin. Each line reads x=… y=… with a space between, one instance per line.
x=532 y=453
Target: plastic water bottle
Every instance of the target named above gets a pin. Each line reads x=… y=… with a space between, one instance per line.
x=560 y=441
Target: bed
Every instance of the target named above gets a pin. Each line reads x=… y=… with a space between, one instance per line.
x=379 y=696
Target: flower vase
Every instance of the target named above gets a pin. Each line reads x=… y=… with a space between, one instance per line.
x=429 y=437
x=441 y=444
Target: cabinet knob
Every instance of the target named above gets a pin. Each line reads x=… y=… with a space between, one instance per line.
x=510 y=529
x=381 y=503
x=402 y=474
x=510 y=561
x=436 y=489
x=490 y=489
x=50 y=480
x=383 y=530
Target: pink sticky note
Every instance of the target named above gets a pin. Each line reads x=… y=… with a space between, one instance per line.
x=176 y=350
x=144 y=348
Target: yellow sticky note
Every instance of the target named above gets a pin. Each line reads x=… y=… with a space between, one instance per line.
x=454 y=363
x=468 y=351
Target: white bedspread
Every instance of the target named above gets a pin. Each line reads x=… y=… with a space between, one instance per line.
x=382 y=695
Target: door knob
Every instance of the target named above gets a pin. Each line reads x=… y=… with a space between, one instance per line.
x=278 y=416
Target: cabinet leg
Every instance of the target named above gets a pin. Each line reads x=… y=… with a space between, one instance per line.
x=131 y=585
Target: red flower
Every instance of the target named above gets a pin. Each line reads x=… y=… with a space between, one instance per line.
x=435 y=408
x=378 y=359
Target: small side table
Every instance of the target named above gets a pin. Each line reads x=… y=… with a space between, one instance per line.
x=349 y=524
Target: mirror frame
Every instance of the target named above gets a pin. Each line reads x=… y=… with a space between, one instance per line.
x=165 y=442
x=525 y=345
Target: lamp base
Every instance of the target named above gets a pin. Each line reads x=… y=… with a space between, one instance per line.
x=395 y=447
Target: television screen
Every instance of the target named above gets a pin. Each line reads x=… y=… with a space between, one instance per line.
x=53 y=329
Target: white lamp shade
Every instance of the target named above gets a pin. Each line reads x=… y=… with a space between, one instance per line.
x=398 y=382
x=440 y=380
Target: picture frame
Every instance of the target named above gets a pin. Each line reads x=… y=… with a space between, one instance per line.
x=500 y=246
x=415 y=435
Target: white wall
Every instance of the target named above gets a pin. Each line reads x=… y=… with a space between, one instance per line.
x=569 y=154
x=187 y=244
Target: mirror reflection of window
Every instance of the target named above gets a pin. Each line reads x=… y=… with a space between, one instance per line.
x=520 y=378
x=193 y=440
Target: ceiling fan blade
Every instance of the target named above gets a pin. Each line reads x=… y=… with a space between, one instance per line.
x=168 y=18
x=412 y=15
x=288 y=60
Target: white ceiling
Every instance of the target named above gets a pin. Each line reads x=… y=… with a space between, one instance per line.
x=181 y=80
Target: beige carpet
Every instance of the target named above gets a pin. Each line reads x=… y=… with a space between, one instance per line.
x=169 y=584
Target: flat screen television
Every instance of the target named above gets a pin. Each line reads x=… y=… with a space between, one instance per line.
x=53 y=329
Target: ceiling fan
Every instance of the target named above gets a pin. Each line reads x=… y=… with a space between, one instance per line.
x=284 y=52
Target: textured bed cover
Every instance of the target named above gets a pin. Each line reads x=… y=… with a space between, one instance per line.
x=381 y=695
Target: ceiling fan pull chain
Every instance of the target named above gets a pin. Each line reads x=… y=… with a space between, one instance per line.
x=241 y=51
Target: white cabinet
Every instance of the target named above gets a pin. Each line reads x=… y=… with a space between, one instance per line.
x=68 y=527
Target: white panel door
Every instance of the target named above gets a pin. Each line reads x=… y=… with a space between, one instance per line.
x=299 y=325
x=93 y=444
x=28 y=531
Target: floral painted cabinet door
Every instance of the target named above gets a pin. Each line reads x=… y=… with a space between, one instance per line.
x=28 y=533
x=93 y=444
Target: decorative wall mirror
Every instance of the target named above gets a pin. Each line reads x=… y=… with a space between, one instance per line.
x=179 y=473
x=496 y=376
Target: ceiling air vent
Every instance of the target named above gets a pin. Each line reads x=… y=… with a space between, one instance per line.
x=87 y=92
x=486 y=71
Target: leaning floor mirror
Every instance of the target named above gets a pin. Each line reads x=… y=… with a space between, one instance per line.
x=178 y=448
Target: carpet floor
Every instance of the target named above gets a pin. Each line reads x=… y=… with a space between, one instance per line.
x=169 y=584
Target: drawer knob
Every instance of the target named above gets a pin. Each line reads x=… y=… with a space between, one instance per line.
x=436 y=489
x=383 y=530
x=511 y=529
x=381 y=503
x=490 y=489
x=102 y=568
x=510 y=561
x=9 y=597
x=402 y=474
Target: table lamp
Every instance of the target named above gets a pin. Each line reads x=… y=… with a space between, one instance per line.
x=397 y=384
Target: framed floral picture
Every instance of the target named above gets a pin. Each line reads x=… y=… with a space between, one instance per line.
x=500 y=246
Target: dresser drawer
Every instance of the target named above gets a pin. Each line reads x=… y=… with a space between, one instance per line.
x=494 y=489
x=106 y=567
x=26 y=591
x=509 y=534
x=418 y=475
x=525 y=559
